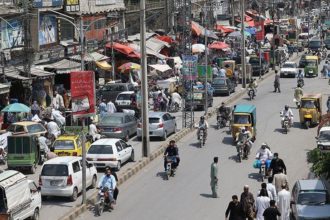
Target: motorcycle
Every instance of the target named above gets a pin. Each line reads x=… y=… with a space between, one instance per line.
x=251 y=93
x=263 y=171
x=201 y=137
x=170 y=166
x=300 y=82
x=221 y=121
x=104 y=201
x=242 y=151
x=285 y=123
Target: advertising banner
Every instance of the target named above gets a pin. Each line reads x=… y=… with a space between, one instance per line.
x=11 y=34
x=47 y=3
x=83 y=93
x=47 y=30
x=189 y=67
x=260 y=30
x=201 y=72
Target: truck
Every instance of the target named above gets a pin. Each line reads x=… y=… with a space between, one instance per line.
x=20 y=198
x=257 y=65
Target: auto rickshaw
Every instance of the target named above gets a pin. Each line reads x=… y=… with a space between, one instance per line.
x=312 y=66
x=23 y=152
x=244 y=115
x=231 y=64
x=310 y=111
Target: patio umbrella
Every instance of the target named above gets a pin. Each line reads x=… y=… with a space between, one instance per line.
x=129 y=66
x=218 y=45
x=198 y=48
x=16 y=107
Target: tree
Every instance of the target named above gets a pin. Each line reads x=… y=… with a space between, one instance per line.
x=320 y=161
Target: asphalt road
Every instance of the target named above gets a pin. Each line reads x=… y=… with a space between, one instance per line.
x=60 y=206
x=188 y=195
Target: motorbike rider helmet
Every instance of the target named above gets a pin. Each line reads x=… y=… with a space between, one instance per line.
x=286 y=107
x=264 y=145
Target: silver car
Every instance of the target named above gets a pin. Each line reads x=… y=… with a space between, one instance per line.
x=118 y=125
x=161 y=124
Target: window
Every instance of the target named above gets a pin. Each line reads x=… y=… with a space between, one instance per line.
x=100 y=149
x=63 y=145
x=66 y=30
x=121 y=97
x=100 y=24
x=241 y=119
x=54 y=170
x=119 y=148
x=75 y=167
x=123 y=144
x=35 y=128
x=127 y=119
x=219 y=81
x=308 y=104
x=312 y=197
x=33 y=187
x=154 y=120
x=112 y=120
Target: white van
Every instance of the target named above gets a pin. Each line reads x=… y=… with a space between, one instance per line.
x=20 y=198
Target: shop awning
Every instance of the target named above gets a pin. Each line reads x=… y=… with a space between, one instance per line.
x=161 y=67
x=4 y=88
x=103 y=65
x=14 y=73
x=124 y=49
x=90 y=57
x=61 y=67
x=37 y=72
x=136 y=47
x=156 y=44
x=225 y=29
x=218 y=45
x=167 y=39
x=196 y=28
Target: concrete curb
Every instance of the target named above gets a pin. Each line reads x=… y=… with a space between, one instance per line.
x=159 y=151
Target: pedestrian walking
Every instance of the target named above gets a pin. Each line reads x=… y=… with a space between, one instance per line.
x=271 y=188
x=284 y=198
x=103 y=108
x=247 y=200
x=280 y=179
x=269 y=194
x=111 y=108
x=235 y=209
x=271 y=212
x=35 y=109
x=276 y=163
x=58 y=102
x=277 y=83
x=262 y=203
x=214 y=177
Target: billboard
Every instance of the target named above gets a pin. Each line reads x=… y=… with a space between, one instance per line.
x=201 y=72
x=47 y=3
x=83 y=93
x=260 y=30
x=47 y=29
x=189 y=67
x=11 y=34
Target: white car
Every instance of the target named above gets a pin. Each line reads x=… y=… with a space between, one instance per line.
x=110 y=152
x=62 y=176
x=289 y=69
x=123 y=100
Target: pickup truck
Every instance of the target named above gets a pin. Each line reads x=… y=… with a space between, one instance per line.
x=255 y=63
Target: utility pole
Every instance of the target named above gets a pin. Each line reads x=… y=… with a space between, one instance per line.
x=28 y=57
x=145 y=118
x=243 y=45
x=112 y=56
x=206 y=56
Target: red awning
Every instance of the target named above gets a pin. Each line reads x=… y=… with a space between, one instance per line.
x=218 y=45
x=196 y=28
x=250 y=23
x=248 y=18
x=130 y=52
x=224 y=29
x=166 y=39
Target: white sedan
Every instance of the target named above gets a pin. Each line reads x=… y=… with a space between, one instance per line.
x=289 y=69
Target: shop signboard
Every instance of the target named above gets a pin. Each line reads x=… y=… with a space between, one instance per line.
x=189 y=67
x=11 y=34
x=47 y=3
x=47 y=30
x=201 y=72
x=71 y=5
x=105 y=2
x=260 y=30
x=83 y=93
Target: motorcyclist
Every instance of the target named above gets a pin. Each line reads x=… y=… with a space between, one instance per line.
x=298 y=93
x=202 y=124
x=253 y=85
x=287 y=112
x=300 y=74
x=108 y=183
x=264 y=153
x=243 y=138
x=172 y=151
x=224 y=112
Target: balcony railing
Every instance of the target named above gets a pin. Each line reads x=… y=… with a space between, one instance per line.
x=149 y=6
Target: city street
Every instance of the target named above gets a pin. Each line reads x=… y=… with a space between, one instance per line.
x=188 y=195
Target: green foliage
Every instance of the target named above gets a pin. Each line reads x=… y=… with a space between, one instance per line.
x=320 y=161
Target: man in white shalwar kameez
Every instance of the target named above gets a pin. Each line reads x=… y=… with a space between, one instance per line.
x=283 y=203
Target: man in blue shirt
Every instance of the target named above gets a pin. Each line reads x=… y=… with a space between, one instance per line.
x=102 y=108
x=108 y=181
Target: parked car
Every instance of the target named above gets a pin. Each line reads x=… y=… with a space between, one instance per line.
x=223 y=86
x=69 y=145
x=27 y=127
x=161 y=124
x=323 y=139
x=199 y=98
x=289 y=69
x=110 y=152
x=302 y=61
x=20 y=197
x=111 y=90
x=118 y=125
x=123 y=101
x=255 y=63
x=310 y=200
x=62 y=176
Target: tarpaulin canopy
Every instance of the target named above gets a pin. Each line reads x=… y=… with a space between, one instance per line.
x=161 y=67
x=90 y=57
x=166 y=39
x=124 y=49
x=218 y=45
x=225 y=29
x=103 y=65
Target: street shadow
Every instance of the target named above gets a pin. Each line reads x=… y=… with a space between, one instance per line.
x=255 y=176
x=233 y=158
x=296 y=125
x=206 y=195
x=162 y=174
x=228 y=141
x=58 y=201
x=279 y=130
x=195 y=144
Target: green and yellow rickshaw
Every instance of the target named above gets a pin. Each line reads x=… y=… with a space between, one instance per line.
x=311 y=66
x=244 y=115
